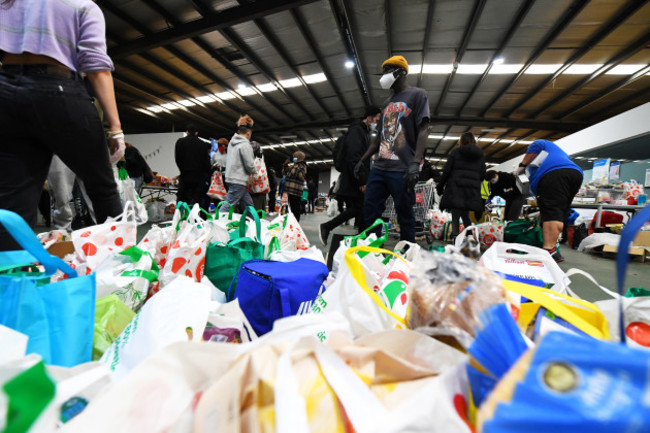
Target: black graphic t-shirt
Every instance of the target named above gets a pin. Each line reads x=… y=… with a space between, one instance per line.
x=398 y=128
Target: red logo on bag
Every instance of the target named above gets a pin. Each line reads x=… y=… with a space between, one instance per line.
x=200 y=270
x=89 y=249
x=398 y=275
x=488 y=240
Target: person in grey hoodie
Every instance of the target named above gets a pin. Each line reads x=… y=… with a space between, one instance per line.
x=460 y=184
x=240 y=164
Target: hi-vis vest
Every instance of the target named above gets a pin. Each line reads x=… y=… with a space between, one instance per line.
x=485 y=190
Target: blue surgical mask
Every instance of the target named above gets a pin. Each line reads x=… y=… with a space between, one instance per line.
x=494 y=181
x=295 y=159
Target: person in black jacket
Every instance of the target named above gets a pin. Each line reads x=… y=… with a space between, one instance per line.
x=193 y=160
x=136 y=166
x=460 y=184
x=504 y=185
x=351 y=189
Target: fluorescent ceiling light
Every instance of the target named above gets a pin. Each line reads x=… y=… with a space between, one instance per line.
x=314 y=78
x=349 y=64
x=437 y=69
x=505 y=69
x=225 y=96
x=526 y=142
x=291 y=82
x=435 y=137
x=268 y=87
x=471 y=69
x=186 y=103
x=206 y=99
x=246 y=91
x=498 y=61
x=542 y=69
x=155 y=108
x=582 y=69
x=170 y=106
x=624 y=69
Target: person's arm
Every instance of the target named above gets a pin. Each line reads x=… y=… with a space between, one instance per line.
x=102 y=84
x=421 y=144
x=372 y=149
x=248 y=159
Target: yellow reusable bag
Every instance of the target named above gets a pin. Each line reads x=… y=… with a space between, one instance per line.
x=582 y=314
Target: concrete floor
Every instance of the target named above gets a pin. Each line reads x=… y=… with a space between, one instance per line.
x=602 y=269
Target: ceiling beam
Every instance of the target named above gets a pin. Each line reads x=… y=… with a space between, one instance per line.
x=428 y=24
x=612 y=24
x=345 y=30
x=469 y=30
x=220 y=21
x=611 y=89
x=516 y=23
x=642 y=95
x=569 y=14
x=300 y=21
x=629 y=51
x=502 y=148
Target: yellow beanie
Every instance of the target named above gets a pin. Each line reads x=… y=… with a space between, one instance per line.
x=398 y=61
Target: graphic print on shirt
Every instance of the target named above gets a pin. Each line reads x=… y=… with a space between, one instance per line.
x=393 y=139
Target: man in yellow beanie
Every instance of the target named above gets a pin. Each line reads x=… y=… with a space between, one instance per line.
x=399 y=148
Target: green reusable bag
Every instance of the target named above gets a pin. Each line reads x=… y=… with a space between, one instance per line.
x=222 y=261
x=111 y=317
x=525 y=232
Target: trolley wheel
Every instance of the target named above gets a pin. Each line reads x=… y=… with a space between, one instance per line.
x=429 y=238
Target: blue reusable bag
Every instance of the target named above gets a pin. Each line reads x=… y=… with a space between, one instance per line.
x=57 y=317
x=270 y=290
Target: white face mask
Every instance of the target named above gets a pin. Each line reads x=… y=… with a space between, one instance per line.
x=373 y=126
x=387 y=80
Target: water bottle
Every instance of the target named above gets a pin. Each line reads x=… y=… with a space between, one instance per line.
x=212 y=209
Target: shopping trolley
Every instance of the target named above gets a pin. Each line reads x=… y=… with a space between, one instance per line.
x=424 y=200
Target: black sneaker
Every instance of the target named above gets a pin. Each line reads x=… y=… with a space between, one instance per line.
x=323 y=234
x=557 y=256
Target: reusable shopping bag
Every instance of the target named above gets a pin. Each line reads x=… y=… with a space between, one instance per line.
x=223 y=260
x=259 y=181
x=291 y=237
x=523 y=231
x=490 y=232
x=94 y=244
x=126 y=188
x=437 y=219
x=271 y=290
x=57 y=317
x=217 y=189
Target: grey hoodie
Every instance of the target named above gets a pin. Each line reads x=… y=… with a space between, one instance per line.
x=240 y=161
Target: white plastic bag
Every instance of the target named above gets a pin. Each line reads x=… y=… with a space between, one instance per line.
x=312 y=253
x=177 y=313
x=126 y=188
x=598 y=240
x=332 y=208
x=527 y=262
x=156 y=211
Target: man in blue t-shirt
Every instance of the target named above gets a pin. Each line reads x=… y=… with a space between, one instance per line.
x=399 y=148
x=555 y=180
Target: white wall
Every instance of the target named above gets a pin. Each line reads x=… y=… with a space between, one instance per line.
x=627 y=125
x=158 y=150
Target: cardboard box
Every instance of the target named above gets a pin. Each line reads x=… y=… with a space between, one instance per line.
x=636 y=253
x=61 y=249
x=642 y=239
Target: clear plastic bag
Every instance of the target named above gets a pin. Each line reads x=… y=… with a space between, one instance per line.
x=447 y=294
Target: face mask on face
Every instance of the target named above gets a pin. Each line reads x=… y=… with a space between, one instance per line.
x=373 y=126
x=387 y=80
x=295 y=159
x=494 y=181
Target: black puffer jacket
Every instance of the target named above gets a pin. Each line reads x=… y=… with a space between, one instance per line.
x=461 y=179
x=356 y=143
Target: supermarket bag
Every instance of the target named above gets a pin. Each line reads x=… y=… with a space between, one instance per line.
x=187 y=254
x=632 y=189
x=94 y=244
x=159 y=240
x=276 y=289
x=177 y=313
x=217 y=189
x=258 y=183
x=523 y=231
x=351 y=294
x=126 y=188
x=490 y=232
x=111 y=317
x=365 y=238
x=156 y=211
x=525 y=262
x=437 y=219
x=223 y=260
x=57 y=317
x=292 y=237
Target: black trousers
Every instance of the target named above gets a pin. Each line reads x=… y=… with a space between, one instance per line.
x=353 y=209
x=42 y=115
x=295 y=203
x=192 y=189
x=456 y=216
x=514 y=205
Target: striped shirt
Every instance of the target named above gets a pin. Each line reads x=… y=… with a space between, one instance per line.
x=69 y=31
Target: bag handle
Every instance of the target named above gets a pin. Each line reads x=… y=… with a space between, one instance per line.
x=573 y=271
x=23 y=234
x=364 y=234
x=356 y=269
x=181 y=213
x=230 y=210
x=250 y=210
x=545 y=298
x=274 y=245
x=623 y=258
x=261 y=213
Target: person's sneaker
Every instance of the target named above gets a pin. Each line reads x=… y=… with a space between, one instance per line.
x=555 y=253
x=323 y=234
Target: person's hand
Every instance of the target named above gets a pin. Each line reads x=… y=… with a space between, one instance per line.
x=412 y=175
x=363 y=189
x=116 y=147
x=359 y=170
x=519 y=170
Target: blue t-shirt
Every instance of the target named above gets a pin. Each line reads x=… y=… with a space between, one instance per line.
x=556 y=160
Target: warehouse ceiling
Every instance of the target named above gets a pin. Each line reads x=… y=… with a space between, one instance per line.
x=510 y=71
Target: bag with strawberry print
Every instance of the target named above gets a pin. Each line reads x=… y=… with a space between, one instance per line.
x=94 y=244
x=159 y=240
x=292 y=237
x=217 y=189
x=258 y=183
x=187 y=254
x=490 y=232
x=437 y=220
x=632 y=189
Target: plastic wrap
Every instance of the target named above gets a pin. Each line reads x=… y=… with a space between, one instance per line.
x=447 y=294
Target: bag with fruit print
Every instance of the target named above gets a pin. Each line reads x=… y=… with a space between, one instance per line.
x=292 y=237
x=94 y=244
x=258 y=183
x=187 y=254
x=437 y=220
x=490 y=232
x=159 y=240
